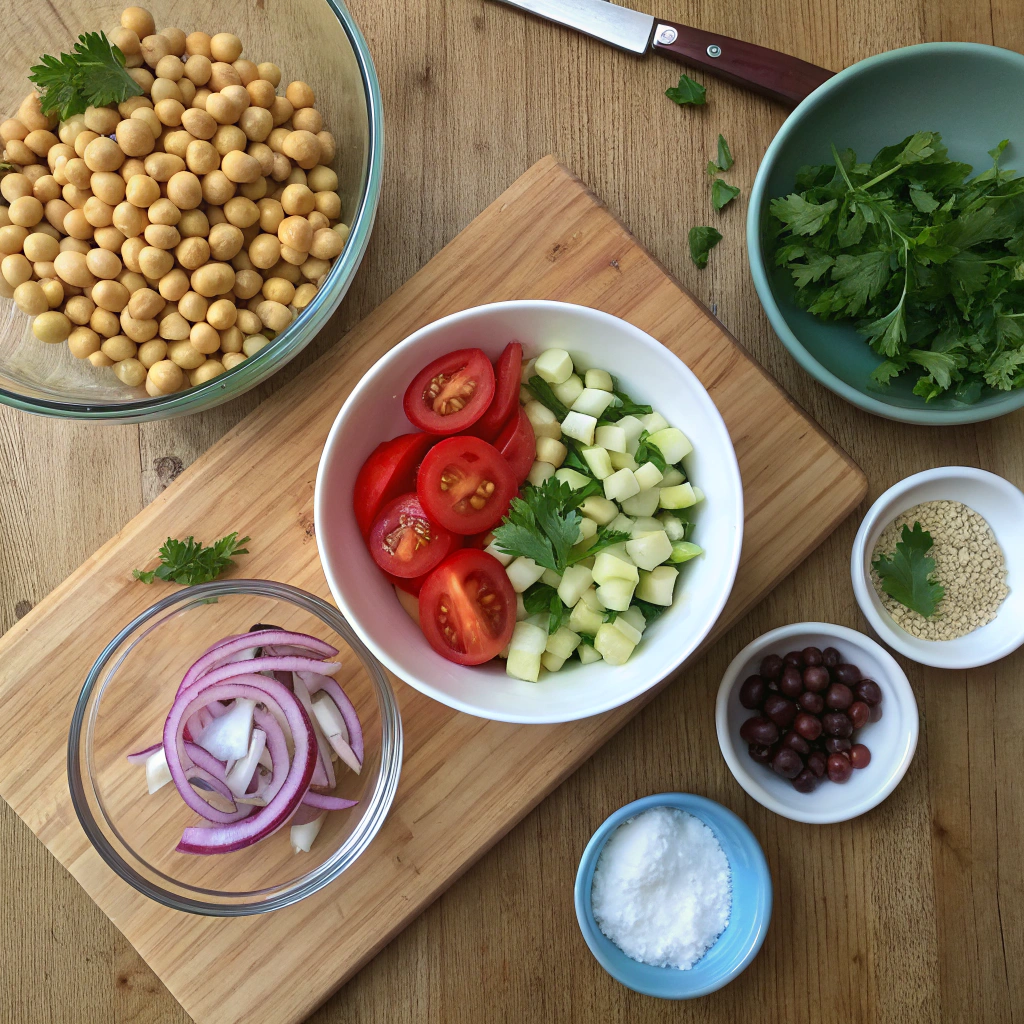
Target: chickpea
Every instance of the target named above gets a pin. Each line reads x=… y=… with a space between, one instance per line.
x=188 y=92
x=281 y=111
x=144 y=304
x=307 y=119
x=137 y=330
x=75 y=197
x=253 y=344
x=170 y=67
x=192 y=306
x=221 y=315
x=300 y=95
x=165 y=376
x=198 y=69
x=135 y=134
x=217 y=188
x=163 y=167
x=154 y=49
x=151 y=352
x=263 y=154
x=247 y=71
x=277 y=289
x=133 y=103
x=329 y=204
x=170 y=110
x=254 y=190
x=225 y=241
x=110 y=295
x=248 y=283
x=204 y=338
x=54 y=291
x=232 y=359
x=241 y=212
x=109 y=238
x=276 y=139
x=261 y=93
x=142 y=78
x=222 y=75
x=185 y=355
x=185 y=190
x=104 y=323
x=298 y=199
x=83 y=341
x=119 y=347
x=304 y=295
x=173 y=285
x=31 y=115
x=201 y=158
x=247 y=322
x=132 y=280
x=77 y=225
x=198 y=43
x=205 y=371
x=51 y=327
x=163 y=236
x=102 y=264
x=34 y=172
x=265 y=251
x=79 y=309
x=138 y=20
x=15 y=186
x=131 y=167
x=19 y=153
x=229 y=137
x=176 y=142
x=155 y=263
x=130 y=253
x=12 y=238
x=275 y=315
x=26 y=211
x=199 y=124
x=100 y=360
x=200 y=98
x=174 y=327
x=40 y=248
x=317 y=221
x=103 y=154
x=296 y=233
x=101 y=120
x=41 y=141
x=98 y=213
x=126 y=40
x=226 y=47
x=237 y=167
x=128 y=218
x=213 y=279
x=13 y=129
x=30 y=298
x=256 y=122
x=165 y=89
x=282 y=169
x=194 y=224
x=130 y=371
x=108 y=187
x=223 y=109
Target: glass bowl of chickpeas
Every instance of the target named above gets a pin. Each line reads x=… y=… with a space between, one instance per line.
x=165 y=253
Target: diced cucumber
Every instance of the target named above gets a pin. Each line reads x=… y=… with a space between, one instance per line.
x=672 y=477
x=600 y=379
x=552 y=662
x=634 y=617
x=521 y=612
x=621 y=524
x=616 y=594
x=588 y=530
x=619 y=551
x=673 y=526
x=627 y=629
x=529 y=638
x=589 y=597
x=611 y=437
x=551 y=451
x=569 y=390
x=643 y=504
x=587 y=654
x=575 y=580
x=612 y=644
x=697 y=493
x=583 y=546
x=601 y=510
x=528 y=371
x=623 y=460
x=501 y=556
x=593 y=402
x=673 y=444
x=598 y=461
x=647 y=476
x=584 y=619
x=620 y=486
x=645 y=524
x=610 y=567
x=523 y=573
x=542 y=419
x=522 y=665
x=654 y=422
x=650 y=551
x=551 y=578
x=503 y=653
x=633 y=428
x=563 y=642
x=679 y=496
x=410 y=604
x=540 y=620
x=574 y=479
x=657 y=585
x=684 y=550
x=539 y=472
x=525 y=394
x=554 y=366
x=580 y=426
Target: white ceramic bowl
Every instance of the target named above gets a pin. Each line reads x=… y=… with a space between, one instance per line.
x=892 y=740
x=650 y=373
x=997 y=501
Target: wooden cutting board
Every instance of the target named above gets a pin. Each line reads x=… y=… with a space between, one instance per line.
x=546 y=237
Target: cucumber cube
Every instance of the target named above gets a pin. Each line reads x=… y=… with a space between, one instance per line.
x=600 y=379
x=621 y=524
x=552 y=452
x=539 y=472
x=650 y=551
x=593 y=402
x=672 y=477
x=554 y=366
x=672 y=443
x=551 y=661
x=523 y=573
x=698 y=493
x=575 y=580
x=647 y=476
x=571 y=477
x=616 y=594
x=492 y=549
x=589 y=597
x=623 y=460
x=654 y=422
x=598 y=460
x=645 y=524
x=563 y=642
x=529 y=638
x=551 y=578
x=620 y=486
x=619 y=551
x=643 y=504
x=633 y=428
x=523 y=665
x=542 y=419
x=613 y=645
x=656 y=586
x=609 y=567
x=634 y=617
x=673 y=526
x=580 y=427
x=521 y=612
x=627 y=629
x=601 y=510
x=680 y=496
x=525 y=394
x=583 y=619
x=611 y=437
x=588 y=530
x=529 y=370
x=569 y=391
x=587 y=654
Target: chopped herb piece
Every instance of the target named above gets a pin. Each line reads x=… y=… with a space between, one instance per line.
x=722 y=193
x=541 y=598
x=647 y=452
x=906 y=575
x=188 y=562
x=542 y=392
x=687 y=92
x=650 y=612
x=702 y=240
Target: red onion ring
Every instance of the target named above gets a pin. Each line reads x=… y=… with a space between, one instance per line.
x=319 y=681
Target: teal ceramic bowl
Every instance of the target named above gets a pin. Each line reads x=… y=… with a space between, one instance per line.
x=748 y=922
x=967 y=91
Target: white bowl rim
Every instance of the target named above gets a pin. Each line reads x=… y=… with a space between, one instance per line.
x=319 y=515
x=945 y=656
x=898 y=686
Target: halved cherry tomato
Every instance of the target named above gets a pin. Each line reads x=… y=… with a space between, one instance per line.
x=507 y=372
x=468 y=608
x=518 y=445
x=452 y=393
x=465 y=484
x=412 y=586
x=404 y=542
x=388 y=472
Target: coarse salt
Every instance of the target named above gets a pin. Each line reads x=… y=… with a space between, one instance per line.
x=662 y=888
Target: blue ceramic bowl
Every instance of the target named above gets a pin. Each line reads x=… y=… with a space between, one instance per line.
x=748 y=922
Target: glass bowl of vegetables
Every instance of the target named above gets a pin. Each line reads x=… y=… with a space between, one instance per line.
x=179 y=328
x=918 y=323
x=234 y=749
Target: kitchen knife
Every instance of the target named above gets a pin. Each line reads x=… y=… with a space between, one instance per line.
x=770 y=72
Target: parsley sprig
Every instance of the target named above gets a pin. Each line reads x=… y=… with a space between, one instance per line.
x=647 y=452
x=92 y=75
x=189 y=562
x=907 y=575
x=541 y=598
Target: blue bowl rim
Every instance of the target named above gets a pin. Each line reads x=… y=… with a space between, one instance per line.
x=758 y=268
x=707 y=811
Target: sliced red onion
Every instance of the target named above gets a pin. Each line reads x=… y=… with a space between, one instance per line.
x=142 y=756
x=327 y=803
x=302 y=836
x=228 y=737
x=244 y=771
x=328 y=717
x=157 y=772
x=319 y=681
x=304 y=814
x=278 y=751
x=302 y=693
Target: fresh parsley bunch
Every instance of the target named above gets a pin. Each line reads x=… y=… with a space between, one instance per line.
x=925 y=259
x=189 y=562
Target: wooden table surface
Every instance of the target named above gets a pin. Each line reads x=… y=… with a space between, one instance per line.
x=913 y=913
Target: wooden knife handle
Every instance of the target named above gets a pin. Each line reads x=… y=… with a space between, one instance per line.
x=770 y=72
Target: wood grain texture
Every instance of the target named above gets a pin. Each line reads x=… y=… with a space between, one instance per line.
x=911 y=915
x=465 y=782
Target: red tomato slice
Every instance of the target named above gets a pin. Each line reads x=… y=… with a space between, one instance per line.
x=518 y=445
x=465 y=485
x=388 y=472
x=452 y=393
x=468 y=608
x=506 y=393
x=412 y=586
x=404 y=542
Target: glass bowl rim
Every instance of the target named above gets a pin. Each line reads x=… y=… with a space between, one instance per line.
x=302 y=330
x=344 y=856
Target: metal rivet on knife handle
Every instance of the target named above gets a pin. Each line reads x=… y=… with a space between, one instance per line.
x=666 y=34
x=714 y=50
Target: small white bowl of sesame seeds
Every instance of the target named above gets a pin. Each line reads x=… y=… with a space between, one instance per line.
x=976 y=523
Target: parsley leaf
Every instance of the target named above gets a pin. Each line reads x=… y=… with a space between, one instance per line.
x=543 y=525
x=92 y=75
x=647 y=452
x=188 y=562
x=623 y=406
x=702 y=241
x=542 y=392
x=541 y=598
x=722 y=193
x=605 y=539
x=907 y=574
x=725 y=160
x=687 y=92
x=649 y=611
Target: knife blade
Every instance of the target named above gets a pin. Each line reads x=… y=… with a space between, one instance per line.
x=766 y=71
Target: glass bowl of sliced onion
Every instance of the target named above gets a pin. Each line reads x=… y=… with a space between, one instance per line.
x=234 y=749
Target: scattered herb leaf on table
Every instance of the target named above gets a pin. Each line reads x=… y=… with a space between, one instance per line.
x=722 y=193
x=189 y=562
x=906 y=575
x=702 y=240
x=687 y=92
